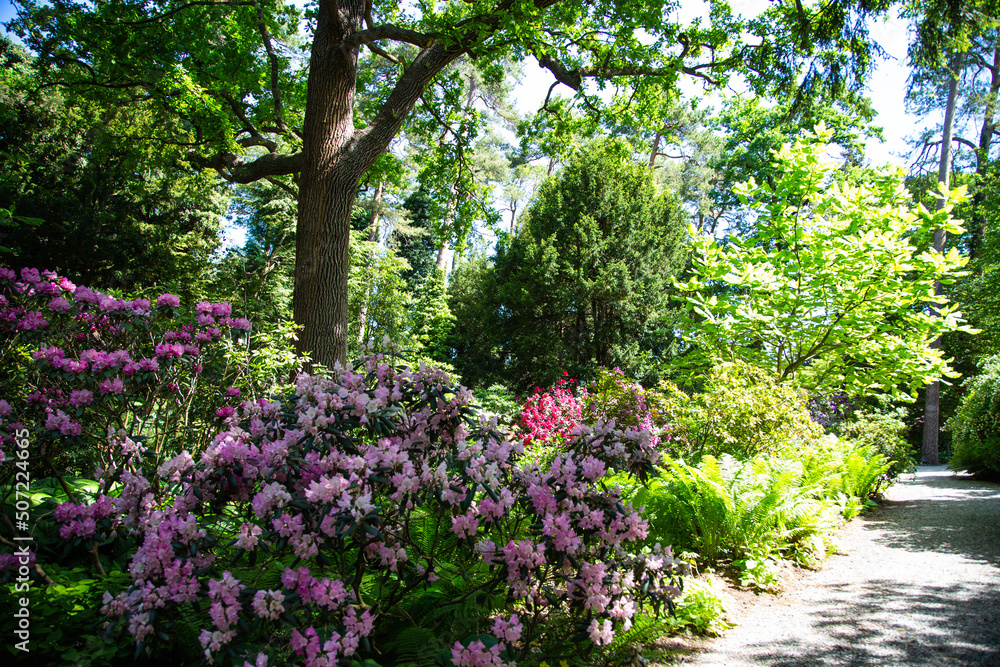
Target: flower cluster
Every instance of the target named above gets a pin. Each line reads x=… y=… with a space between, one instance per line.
x=345 y=478
x=95 y=357
x=830 y=410
x=614 y=396
x=552 y=413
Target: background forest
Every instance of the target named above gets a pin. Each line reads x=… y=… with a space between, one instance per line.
x=713 y=308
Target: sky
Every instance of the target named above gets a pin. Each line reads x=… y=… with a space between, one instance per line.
x=887 y=88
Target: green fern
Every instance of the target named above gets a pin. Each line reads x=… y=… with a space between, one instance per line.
x=413 y=647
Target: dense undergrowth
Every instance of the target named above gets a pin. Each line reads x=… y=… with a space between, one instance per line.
x=185 y=503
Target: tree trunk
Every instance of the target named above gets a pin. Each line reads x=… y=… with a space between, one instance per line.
x=334 y=157
x=932 y=401
x=327 y=187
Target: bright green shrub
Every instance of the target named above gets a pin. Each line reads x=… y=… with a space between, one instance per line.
x=743 y=411
x=975 y=426
x=885 y=433
x=500 y=401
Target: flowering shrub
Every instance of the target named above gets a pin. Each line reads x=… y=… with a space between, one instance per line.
x=306 y=529
x=86 y=364
x=553 y=413
x=831 y=409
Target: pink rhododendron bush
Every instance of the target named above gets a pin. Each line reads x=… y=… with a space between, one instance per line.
x=82 y=365
x=369 y=515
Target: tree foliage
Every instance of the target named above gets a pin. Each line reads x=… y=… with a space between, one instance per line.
x=834 y=289
x=585 y=280
x=229 y=82
x=113 y=207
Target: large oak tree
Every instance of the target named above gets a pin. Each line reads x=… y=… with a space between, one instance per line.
x=237 y=94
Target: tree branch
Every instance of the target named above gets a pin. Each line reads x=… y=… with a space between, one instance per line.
x=574 y=78
x=962 y=140
x=256 y=138
x=287 y=188
x=233 y=169
x=385 y=54
x=387 y=31
x=275 y=67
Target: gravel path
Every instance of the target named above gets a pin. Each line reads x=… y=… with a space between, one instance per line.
x=917 y=583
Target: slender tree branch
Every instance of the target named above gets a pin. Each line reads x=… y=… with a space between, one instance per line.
x=441 y=121
x=368 y=15
x=275 y=67
x=385 y=54
x=257 y=139
x=966 y=142
x=287 y=188
x=545 y=105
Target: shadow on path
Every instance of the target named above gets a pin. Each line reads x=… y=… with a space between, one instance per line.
x=919 y=585
x=951 y=514
x=888 y=623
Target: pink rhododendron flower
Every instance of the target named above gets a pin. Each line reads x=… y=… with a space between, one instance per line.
x=33 y=321
x=168 y=301
x=81 y=397
x=112 y=386
x=59 y=305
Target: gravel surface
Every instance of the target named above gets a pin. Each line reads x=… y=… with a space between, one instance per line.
x=916 y=582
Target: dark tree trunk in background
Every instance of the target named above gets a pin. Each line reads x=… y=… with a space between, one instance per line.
x=932 y=402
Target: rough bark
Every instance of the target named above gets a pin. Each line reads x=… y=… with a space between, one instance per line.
x=932 y=400
x=334 y=157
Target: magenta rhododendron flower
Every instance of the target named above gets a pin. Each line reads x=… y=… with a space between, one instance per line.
x=59 y=305
x=168 y=301
x=551 y=414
